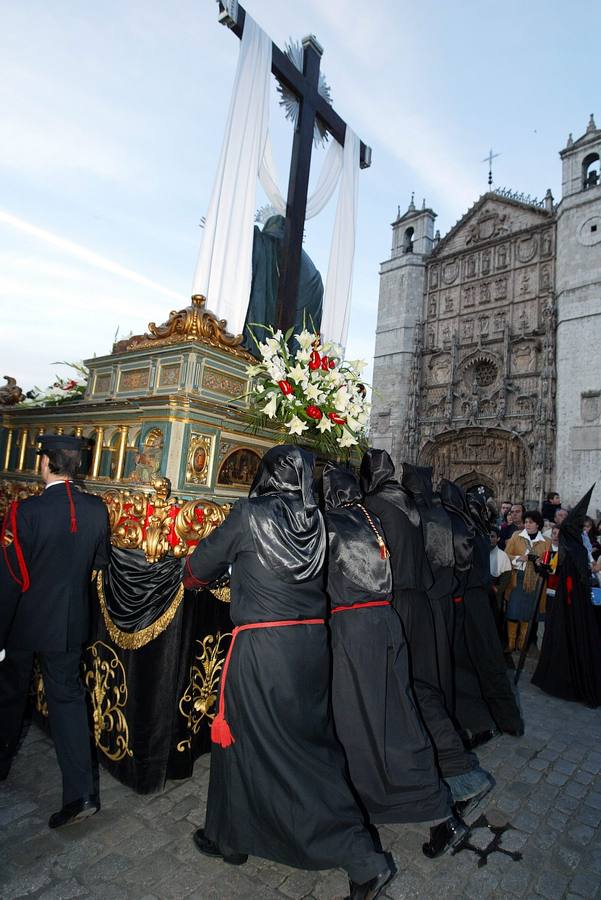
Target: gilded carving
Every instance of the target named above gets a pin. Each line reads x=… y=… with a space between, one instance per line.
x=169 y=375
x=222 y=383
x=199 y=699
x=194 y=323
x=199 y=457
x=133 y=379
x=106 y=683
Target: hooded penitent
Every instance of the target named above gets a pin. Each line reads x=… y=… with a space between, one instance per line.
x=285 y=522
x=436 y=528
x=355 y=544
x=570 y=662
x=390 y=758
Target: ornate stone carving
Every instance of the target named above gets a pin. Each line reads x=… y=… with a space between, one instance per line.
x=523 y=358
x=134 y=380
x=488 y=225
x=450 y=271
x=223 y=383
x=526 y=248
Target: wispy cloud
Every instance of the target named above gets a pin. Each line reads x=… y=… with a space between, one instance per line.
x=84 y=254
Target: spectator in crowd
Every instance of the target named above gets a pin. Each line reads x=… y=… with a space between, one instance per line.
x=549 y=593
x=550 y=506
x=523 y=548
x=515 y=522
x=500 y=571
x=590 y=540
x=560 y=516
x=505 y=509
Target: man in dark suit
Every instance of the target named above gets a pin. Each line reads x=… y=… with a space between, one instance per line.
x=58 y=538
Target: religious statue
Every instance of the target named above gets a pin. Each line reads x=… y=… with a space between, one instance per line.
x=266 y=264
x=10 y=393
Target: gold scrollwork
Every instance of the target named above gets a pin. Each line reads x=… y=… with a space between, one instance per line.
x=198 y=700
x=107 y=685
x=199 y=458
x=135 y=639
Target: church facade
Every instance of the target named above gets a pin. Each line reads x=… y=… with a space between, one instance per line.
x=487 y=339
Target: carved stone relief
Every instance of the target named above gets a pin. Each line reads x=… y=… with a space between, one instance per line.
x=523 y=358
x=450 y=272
x=526 y=248
x=469 y=296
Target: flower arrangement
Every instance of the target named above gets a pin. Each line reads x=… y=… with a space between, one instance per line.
x=312 y=391
x=64 y=390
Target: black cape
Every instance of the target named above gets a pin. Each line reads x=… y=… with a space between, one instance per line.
x=484 y=697
x=390 y=757
x=280 y=791
x=423 y=621
x=570 y=660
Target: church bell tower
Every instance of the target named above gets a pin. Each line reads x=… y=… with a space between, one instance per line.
x=578 y=284
x=402 y=284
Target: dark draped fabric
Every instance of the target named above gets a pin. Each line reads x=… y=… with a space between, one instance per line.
x=423 y=621
x=436 y=529
x=138 y=592
x=390 y=757
x=145 y=729
x=266 y=265
x=570 y=661
x=286 y=525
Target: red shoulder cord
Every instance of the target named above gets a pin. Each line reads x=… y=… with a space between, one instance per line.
x=71 y=507
x=11 y=517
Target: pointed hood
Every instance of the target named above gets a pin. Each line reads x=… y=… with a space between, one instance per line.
x=418 y=481
x=377 y=476
x=340 y=487
x=570 y=538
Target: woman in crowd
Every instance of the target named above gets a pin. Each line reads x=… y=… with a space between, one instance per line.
x=590 y=530
x=523 y=548
x=278 y=786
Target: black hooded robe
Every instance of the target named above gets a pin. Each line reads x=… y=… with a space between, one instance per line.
x=390 y=757
x=569 y=666
x=280 y=790
x=484 y=698
x=424 y=623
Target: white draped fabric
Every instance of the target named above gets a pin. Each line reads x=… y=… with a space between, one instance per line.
x=224 y=267
x=325 y=187
x=337 y=298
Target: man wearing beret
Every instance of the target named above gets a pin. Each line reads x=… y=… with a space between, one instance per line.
x=58 y=538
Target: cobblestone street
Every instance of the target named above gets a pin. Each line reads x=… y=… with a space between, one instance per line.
x=548 y=789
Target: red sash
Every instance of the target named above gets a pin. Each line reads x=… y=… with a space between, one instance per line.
x=361 y=605
x=220 y=730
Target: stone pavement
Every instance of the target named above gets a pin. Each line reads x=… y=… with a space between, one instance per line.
x=139 y=848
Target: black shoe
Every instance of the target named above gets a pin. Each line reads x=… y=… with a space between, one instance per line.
x=209 y=848
x=75 y=811
x=464 y=807
x=370 y=889
x=449 y=835
x=481 y=737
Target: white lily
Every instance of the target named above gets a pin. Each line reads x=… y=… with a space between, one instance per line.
x=297 y=373
x=259 y=388
x=324 y=424
x=346 y=439
x=341 y=399
x=296 y=426
x=270 y=408
x=274 y=342
x=303 y=356
x=358 y=365
x=353 y=424
x=305 y=339
x=312 y=392
x=251 y=371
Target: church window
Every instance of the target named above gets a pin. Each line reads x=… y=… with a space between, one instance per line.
x=485 y=373
x=591 y=171
x=408 y=241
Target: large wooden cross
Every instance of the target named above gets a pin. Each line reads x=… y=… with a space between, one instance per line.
x=311 y=106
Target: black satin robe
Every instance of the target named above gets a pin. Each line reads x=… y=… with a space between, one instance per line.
x=426 y=633
x=390 y=757
x=280 y=791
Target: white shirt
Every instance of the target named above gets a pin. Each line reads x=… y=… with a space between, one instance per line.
x=499 y=562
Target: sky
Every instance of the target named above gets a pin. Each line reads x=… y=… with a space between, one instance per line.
x=112 y=116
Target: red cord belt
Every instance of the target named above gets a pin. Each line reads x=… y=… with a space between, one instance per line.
x=220 y=730
x=362 y=605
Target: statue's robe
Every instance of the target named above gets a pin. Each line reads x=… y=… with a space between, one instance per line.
x=266 y=265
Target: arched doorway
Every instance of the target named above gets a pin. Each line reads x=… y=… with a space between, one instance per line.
x=478 y=485
x=491 y=458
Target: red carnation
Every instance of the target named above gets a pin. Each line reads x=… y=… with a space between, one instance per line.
x=285 y=387
x=331 y=364
x=336 y=419
x=314 y=412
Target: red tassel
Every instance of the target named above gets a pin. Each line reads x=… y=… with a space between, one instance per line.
x=72 y=508
x=23 y=581
x=220 y=731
